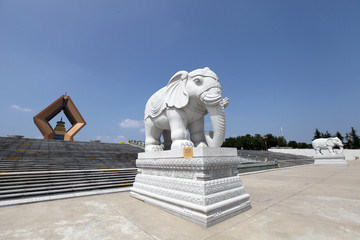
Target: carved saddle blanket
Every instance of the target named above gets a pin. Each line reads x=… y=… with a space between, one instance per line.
x=156 y=104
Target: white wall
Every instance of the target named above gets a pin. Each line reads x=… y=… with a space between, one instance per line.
x=350 y=154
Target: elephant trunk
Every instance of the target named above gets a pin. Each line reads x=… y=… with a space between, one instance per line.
x=341 y=149
x=215 y=107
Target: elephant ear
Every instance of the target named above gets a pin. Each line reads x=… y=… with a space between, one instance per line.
x=329 y=142
x=176 y=94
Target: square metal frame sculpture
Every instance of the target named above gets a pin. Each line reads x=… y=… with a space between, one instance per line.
x=63 y=103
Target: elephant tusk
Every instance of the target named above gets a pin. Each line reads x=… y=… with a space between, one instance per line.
x=211 y=99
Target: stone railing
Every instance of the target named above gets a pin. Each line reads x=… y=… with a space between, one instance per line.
x=350 y=154
x=137 y=143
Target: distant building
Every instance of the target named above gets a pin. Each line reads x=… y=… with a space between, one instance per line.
x=63 y=103
x=60 y=130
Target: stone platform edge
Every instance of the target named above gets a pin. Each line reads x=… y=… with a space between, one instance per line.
x=205 y=216
x=330 y=159
x=201 y=202
x=197 y=152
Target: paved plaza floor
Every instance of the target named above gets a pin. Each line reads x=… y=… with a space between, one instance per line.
x=307 y=202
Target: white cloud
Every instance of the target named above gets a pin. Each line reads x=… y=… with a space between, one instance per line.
x=120 y=138
x=103 y=138
x=17 y=107
x=110 y=139
x=142 y=130
x=128 y=123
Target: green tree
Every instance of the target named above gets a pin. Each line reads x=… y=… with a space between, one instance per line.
x=281 y=142
x=317 y=134
x=229 y=142
x=354 y=138
x=338 y=134
x=303 y=145
x=293 y=144
x=326 y=134
x=238 y=142
x=259 y=143
x=271 y=140
x=247 y=142
x=348 y=143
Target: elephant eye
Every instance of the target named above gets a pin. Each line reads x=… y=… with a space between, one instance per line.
x=197 y=81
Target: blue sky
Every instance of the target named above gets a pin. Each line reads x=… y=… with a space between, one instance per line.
x=285 y=64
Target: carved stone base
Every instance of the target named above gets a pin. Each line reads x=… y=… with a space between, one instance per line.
x=204 y=189
x=330 y=159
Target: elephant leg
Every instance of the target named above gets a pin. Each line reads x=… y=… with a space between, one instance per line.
x=167 y=139
x=152 y=136
x=178 y=127
x=318 y=151
x=197 y=135
x=331 y=150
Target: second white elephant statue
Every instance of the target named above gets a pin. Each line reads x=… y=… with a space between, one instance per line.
x=181 y=106
x=327 y=143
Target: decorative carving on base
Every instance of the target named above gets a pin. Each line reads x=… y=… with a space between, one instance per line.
x=330 y=159
x=204 y=189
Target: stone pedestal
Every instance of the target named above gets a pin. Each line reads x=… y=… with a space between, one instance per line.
x=204 y=188
x=330 y=159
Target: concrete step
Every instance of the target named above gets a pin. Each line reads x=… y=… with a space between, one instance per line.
x=30 y=184
x=54 y=168
x=65 y=190
x=33 y=177
x=10 y=181
x=74 y=171
x=63 y=186
x=18 y=155
x=25 y=184
x=4 y=179
x=52 y=179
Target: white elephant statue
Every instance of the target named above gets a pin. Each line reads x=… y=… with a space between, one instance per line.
x=327 y=143
x=181 y=106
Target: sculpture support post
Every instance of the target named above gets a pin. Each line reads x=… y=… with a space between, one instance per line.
x=204 y=189
x=333 y=159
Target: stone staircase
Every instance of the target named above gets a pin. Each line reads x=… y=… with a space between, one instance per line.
x=35 y=167
x=283 y=159
x=30 y=184
x=20 y=155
